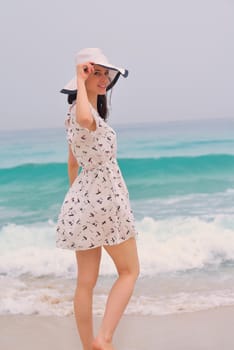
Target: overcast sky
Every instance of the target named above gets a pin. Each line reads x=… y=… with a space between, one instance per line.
x=180 y=56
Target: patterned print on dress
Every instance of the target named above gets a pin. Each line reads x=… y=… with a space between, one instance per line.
x=96 y=210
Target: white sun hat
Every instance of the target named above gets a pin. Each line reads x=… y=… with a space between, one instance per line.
x=96 y=56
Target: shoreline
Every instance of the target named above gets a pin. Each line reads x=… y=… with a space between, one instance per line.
x=201 y=330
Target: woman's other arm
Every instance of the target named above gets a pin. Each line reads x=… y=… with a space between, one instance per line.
x=73 y=166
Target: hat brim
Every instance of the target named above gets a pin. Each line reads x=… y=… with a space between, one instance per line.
x=71 y=87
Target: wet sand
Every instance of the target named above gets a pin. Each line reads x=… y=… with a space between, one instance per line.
x=203 y=330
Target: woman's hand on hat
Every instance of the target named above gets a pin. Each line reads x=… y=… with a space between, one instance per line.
x=83 y=70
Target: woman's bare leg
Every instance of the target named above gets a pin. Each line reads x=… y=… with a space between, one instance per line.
x=126 y=261
x=88 y=262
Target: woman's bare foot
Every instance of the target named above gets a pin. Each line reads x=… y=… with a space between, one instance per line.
x=100 y=344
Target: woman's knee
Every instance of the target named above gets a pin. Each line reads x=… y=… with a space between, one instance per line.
x=132 y=272
x=87 y=282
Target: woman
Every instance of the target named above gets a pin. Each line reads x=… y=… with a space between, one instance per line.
x=96 y=210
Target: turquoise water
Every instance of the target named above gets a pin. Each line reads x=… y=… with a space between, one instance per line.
x=180 y=177
x=38 y=189
x=158 y=161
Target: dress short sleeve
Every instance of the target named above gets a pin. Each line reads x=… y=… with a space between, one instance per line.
x=76 y=132
x=77 y=127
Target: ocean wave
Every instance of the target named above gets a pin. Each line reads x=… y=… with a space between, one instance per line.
x=165 y=246
x=202 y=205
x=186 y=265
x=145 y=178
x=158 y=166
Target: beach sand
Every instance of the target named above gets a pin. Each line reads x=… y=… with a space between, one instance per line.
x=203 y=330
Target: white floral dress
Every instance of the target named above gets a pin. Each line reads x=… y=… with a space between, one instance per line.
x=96 y=210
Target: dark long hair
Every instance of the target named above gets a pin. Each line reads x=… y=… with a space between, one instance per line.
x=101 y=104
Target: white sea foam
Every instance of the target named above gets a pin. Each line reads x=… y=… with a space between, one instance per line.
x=19 y=298
x=184 y=244
x=38 y=278
x=172 y=245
